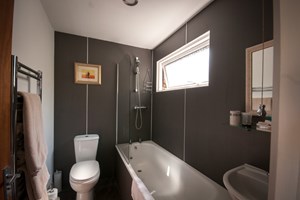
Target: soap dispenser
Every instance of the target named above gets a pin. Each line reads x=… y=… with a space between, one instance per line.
x=261 y=112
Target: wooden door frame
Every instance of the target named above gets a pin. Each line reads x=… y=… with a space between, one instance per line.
x=6 y=24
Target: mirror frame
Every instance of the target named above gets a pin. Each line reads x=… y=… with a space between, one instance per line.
x=249 y=52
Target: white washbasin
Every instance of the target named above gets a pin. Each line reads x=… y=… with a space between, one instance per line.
x=247 y=182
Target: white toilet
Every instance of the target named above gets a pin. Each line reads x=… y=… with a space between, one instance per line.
x=85 y=173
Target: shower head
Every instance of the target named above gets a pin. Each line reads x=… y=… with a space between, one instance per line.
x=137 y=61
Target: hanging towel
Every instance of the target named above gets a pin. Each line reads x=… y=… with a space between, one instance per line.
x=35 y=147
x=139 y=190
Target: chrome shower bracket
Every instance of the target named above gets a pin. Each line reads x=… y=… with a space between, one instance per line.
x=139 y=107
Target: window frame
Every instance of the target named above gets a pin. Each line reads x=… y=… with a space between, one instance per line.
x=198 y=43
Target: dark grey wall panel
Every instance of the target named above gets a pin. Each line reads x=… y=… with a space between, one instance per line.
x=123 y=106
x=168 y=121
x=70 y=98
x=211 y=145
x=102 y=109
x=168 y=110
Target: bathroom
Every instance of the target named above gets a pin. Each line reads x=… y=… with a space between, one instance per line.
x=192 y=124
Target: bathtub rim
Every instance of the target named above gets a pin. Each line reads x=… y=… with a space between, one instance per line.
x=175 y=157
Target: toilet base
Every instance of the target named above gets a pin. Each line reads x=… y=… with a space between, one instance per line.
x=85 y=196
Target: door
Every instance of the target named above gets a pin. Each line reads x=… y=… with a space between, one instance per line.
x=6 y=21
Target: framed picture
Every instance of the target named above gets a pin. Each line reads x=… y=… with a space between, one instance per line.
x=87 y=74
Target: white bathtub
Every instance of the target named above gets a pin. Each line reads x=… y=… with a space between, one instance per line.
x=167 y=177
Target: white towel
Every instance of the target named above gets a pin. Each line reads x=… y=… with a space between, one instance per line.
x=35 y=147
x=139 y=190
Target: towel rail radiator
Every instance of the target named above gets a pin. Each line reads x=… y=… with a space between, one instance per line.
x=10 y=174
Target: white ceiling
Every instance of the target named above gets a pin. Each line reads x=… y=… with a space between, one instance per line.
x=145 y=25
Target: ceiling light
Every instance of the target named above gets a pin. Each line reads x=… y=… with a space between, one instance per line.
x=130 y=2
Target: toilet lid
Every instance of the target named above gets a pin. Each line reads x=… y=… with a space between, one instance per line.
x=84 y=170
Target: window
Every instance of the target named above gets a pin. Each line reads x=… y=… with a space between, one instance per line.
x=186 y=67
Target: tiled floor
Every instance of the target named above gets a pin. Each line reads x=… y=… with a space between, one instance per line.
x=104 y=190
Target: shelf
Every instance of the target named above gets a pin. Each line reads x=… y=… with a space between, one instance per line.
x=252 y=128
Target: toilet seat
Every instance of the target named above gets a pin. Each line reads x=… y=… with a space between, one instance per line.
x=84 y=171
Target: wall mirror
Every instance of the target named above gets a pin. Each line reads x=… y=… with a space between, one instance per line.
x=259 y=77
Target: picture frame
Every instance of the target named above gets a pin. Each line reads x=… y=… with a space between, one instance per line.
x=87 y=73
